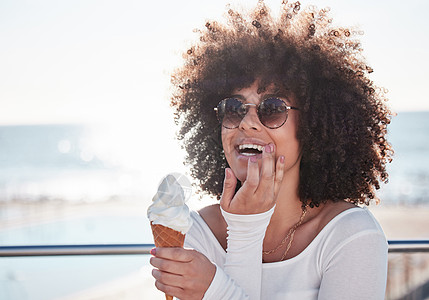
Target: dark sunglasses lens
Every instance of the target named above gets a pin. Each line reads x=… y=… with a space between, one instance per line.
x=231 y=112
x=272 y=112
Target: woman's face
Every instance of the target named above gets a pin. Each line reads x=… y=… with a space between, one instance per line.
x=252 y=132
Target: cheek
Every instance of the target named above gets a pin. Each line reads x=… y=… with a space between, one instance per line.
x=227 y=143
x=223 y=138
x=288 y=144
x=226 y=138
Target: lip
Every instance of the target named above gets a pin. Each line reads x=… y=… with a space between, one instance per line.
x=248 y=141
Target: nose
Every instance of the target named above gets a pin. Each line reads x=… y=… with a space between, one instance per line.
x=250 y=120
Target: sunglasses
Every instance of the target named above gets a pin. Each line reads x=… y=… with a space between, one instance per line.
x=272 y=112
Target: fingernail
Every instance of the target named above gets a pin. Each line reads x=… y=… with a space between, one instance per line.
x=253 y=159
x=227 y=175
x=153 y=251
x=268 y=148
x=282 y=159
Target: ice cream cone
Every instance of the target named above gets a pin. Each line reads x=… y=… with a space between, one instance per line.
x=167 y=237
x=168 y=214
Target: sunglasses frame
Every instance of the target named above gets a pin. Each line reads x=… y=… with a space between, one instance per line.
x=288 y=107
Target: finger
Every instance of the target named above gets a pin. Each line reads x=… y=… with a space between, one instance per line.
x=268 y=165
x=167 y=289
x=228 y=192
x=280 y=166
x=252 y=178
x=166 y=265
x=173 y=253
x=168 y=278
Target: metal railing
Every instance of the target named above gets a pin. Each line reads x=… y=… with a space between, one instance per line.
x=395 y=246
x=408 y=246
x=55 y=250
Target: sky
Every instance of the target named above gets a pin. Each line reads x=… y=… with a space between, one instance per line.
x=108 y=62
x=95 y=61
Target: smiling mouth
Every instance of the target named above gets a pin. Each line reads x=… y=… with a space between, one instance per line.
x=250 y=149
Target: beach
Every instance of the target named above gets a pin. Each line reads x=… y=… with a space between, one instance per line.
x=403 y=222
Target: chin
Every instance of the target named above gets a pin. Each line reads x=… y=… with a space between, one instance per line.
x=240 y=174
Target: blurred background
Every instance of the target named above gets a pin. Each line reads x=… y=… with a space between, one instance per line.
x=86 y=132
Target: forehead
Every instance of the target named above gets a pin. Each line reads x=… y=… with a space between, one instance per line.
x=255 y=93
x=258 y=87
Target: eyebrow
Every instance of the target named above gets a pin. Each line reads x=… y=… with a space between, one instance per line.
x=264 y=97
x=241 y=97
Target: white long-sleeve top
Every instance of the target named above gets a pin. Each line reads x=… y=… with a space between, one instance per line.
x=346 y=260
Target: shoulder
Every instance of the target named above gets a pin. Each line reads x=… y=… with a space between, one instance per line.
x=334 y=224
x=355 y=227
x=348 y=216
x=358 y=219
x=212 y=216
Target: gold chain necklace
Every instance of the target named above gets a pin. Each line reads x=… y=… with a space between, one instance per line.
x=290 y=234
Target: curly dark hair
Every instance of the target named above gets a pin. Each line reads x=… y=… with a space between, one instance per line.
x=343 y=116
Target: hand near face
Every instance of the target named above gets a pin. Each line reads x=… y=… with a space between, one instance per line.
x=183 y=273
x=259 y=191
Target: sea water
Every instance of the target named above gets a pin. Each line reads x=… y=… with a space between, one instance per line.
x=409 y=171
x=60 y=162
x=63 y=162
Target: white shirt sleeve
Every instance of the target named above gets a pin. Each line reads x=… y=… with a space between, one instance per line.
x=243 y=261
x=241 y=276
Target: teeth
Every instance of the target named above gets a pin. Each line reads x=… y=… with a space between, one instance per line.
x=251 y=146
x=248 y=154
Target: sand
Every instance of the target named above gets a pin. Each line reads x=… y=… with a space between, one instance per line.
x=403 y=222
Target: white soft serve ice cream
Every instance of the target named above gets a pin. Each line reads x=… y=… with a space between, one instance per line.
x=168 y=207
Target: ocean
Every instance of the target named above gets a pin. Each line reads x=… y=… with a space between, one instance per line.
x=68 y=163
x=409 y=170
x=58 y=162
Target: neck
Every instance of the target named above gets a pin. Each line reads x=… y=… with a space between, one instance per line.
x=287 y=212
x=288 y=206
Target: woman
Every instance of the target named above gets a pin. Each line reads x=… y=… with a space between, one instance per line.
x=283 y=125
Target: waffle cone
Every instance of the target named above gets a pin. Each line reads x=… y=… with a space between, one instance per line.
x=167 y=237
